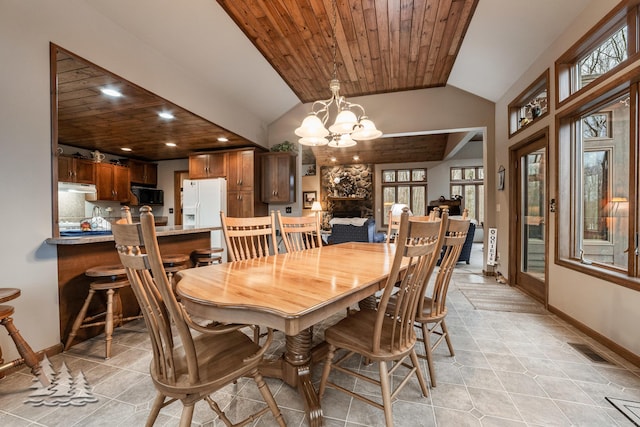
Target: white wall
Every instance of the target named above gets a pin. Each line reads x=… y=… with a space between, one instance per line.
x=609 y=309
x=26 y=29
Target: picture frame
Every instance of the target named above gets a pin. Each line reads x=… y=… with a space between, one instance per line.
x=501 y=178
x=308 y=197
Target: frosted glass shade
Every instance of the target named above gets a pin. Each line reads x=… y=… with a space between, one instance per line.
x=366 y=131
x=311 y=127
x=344 y=123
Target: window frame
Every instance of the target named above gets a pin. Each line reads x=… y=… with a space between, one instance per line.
x=395 y=184
x=538 y=86
x=476 y=182
x=625 y=13
x=566 y=229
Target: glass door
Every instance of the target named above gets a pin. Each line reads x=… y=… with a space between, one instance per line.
x=531 y=219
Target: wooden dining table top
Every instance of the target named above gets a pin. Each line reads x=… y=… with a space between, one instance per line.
x=289 y=292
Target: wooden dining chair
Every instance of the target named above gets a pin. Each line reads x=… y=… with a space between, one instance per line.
x=198 y=360
x=432 y=308
x=248 y=238
x=300 y=233
x=392 y=228
x=387 y=336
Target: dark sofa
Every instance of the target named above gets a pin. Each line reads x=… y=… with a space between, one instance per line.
x=341 y=233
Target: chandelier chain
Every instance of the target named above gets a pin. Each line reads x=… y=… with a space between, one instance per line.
x=334 y=39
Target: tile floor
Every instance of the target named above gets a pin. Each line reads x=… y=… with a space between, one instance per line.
x=510 y=369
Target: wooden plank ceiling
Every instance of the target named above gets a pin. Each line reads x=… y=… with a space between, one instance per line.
x=382 y=46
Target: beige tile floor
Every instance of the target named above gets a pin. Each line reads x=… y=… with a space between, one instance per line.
x=510 y=369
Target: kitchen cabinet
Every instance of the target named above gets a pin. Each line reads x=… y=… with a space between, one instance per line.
x=241 y=170
x=112 y=182
x=71 y=169
x=143 y=173
x=242 y=204
x=278 y=177
x=208 y=165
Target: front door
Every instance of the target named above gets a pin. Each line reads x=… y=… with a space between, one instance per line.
x=529 y=197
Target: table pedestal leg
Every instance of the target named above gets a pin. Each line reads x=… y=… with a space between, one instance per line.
x=297 y=373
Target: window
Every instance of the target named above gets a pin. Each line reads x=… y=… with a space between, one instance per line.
x=467 y=182
x=407 y=186
x=595 y=146
x=530 y=105
x=599 y=53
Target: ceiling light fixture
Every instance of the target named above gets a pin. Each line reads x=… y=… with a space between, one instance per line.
x=170 y=144
x=223 y=139
x=111 y=92
x=313 y=132
x=126 y=149
x=166 y=115
x=356 y=157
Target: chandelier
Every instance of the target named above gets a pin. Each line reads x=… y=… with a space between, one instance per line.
x=348 y=126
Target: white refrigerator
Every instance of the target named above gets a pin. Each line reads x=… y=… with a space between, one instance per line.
x=202 y=201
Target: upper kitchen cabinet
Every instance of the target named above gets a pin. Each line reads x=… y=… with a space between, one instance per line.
x=143 y=173
x=208 y=165
x=241 y=170
x=112 y=182
x=71 y=169
x=278 y=177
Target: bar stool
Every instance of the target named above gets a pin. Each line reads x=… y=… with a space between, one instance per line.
x=27 y=356
x=208 y=256
x=110 y=278
x=175 y=262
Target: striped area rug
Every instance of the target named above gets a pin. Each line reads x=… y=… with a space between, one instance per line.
x=500 y=298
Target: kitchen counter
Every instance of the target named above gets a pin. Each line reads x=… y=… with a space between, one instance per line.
x=77 y=254
x=174 y=230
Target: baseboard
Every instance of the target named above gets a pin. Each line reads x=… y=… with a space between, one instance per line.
x=616 y=348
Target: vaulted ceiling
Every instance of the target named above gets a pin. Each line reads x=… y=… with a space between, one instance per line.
x=382 y=46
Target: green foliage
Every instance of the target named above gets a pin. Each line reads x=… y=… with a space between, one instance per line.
x=285 y=146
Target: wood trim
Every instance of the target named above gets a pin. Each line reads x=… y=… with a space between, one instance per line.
x=53 y=99
x=611 y=345
x=512 y=110
x=514 y=191
x=625 y=10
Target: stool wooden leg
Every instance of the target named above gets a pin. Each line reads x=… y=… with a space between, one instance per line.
x=25 y=350
x=108 y=325
x=79 y=319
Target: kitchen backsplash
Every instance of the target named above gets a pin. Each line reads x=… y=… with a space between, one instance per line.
x=73 y=207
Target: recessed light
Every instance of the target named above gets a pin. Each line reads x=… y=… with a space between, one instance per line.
x=170 y=144
x=111 y=92
x=126 y=149
x=356 y=157
x=166 y=115
x=223 y=139
x=333 y=159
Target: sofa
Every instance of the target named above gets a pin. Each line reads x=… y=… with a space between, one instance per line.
x=354 y=230
x=465 y=254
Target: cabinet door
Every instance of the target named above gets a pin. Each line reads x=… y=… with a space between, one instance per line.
x=218 y=165
x=278 y=178
x=137 y=172
x=208 y=165
x=241 y=165
x=104 y=181
x=151 y=174
x=84 y=171
x=65 y=169
x=240 y=204
x=120 y=183
x=198 y=166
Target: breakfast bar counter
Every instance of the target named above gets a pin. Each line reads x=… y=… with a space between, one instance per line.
x=76 y=254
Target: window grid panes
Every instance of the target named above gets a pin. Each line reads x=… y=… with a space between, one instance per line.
x=406 y=186
x=467 y=182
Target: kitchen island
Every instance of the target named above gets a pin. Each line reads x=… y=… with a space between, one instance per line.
x=76 y=254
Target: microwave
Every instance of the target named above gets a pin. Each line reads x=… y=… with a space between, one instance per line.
x=148 y=196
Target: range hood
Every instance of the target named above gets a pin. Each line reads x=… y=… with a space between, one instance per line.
x=72 y=187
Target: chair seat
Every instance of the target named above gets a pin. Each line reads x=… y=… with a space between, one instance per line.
x=104 y=285
x=5 y=311
x=171 y=260
x=354 y=332
x=220 y=359
x=426 y=316
x=106 y=271
x=7 y=294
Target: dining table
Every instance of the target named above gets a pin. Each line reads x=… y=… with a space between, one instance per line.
x=289 y=292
